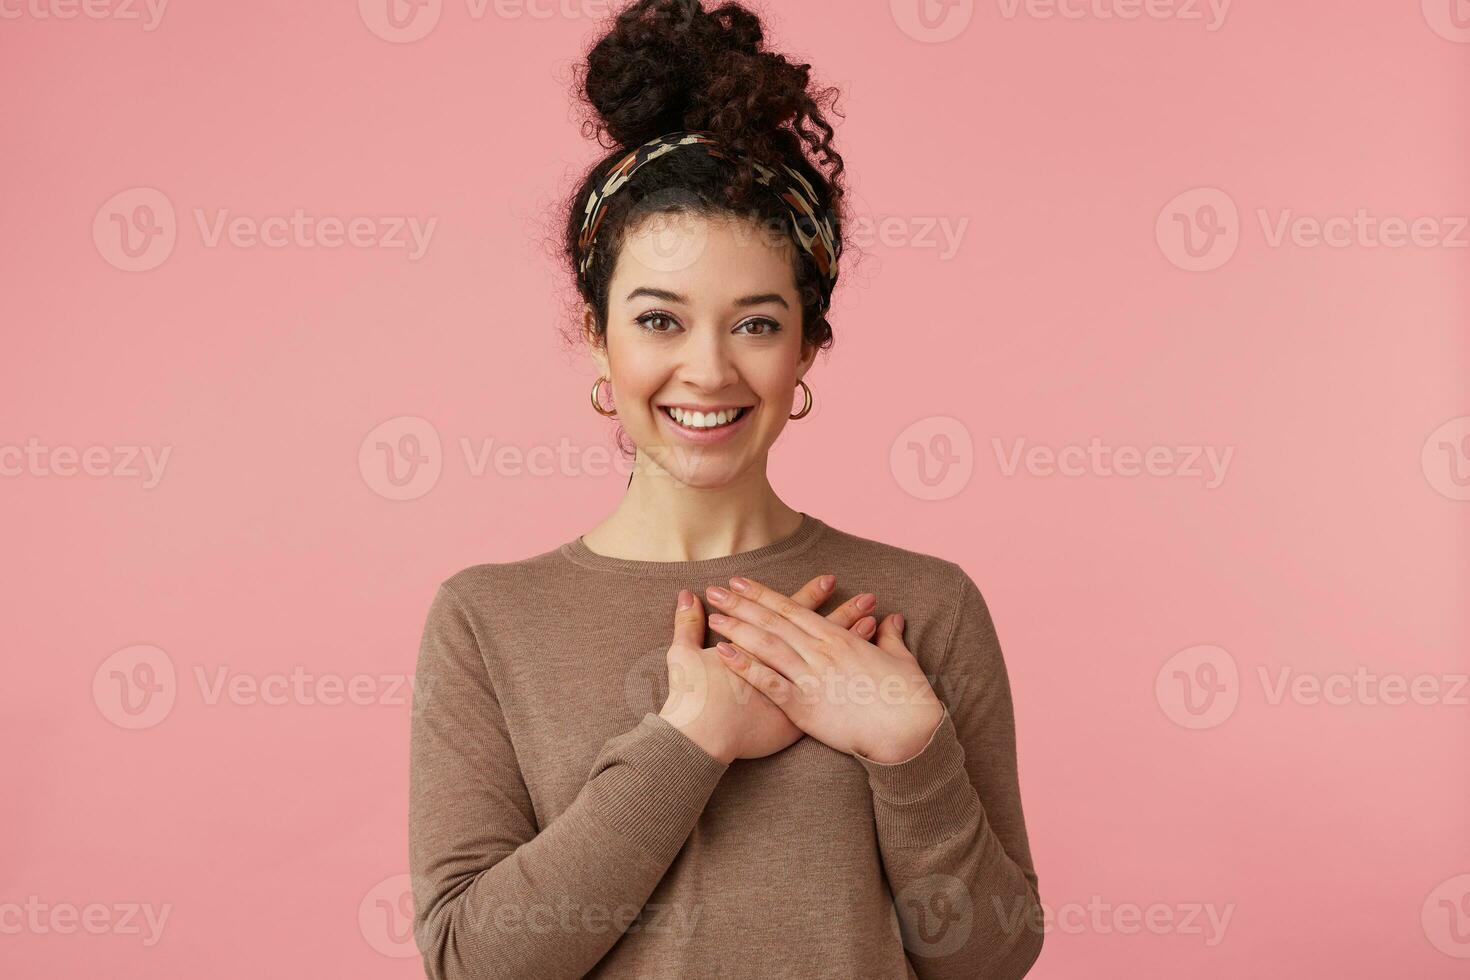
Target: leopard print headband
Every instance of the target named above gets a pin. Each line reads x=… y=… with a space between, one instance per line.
x=811 y=226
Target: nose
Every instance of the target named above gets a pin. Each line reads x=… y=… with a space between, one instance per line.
x=705 y=363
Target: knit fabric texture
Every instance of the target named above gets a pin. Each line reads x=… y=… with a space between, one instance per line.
x=560 y=828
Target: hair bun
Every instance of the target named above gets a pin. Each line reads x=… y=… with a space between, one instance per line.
x=668 y=65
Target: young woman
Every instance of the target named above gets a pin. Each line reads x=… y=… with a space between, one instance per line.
x=598 y=787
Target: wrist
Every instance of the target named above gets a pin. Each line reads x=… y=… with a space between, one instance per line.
x=712 y=747
x=907 y=748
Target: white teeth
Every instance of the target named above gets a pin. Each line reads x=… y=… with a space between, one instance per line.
x=703 y=420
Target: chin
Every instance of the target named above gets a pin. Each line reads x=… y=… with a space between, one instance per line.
x=710 y=471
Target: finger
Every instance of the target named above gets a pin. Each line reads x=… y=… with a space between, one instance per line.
x=890 y=636
x=814 y=593
x=765 y=680
x=848 y=614
x=769 y=625
x=688 y=620
x=761 y=645
x=765 y=598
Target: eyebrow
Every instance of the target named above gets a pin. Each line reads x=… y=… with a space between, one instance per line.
x=755 y=299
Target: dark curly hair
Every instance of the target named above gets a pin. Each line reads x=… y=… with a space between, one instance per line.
x=667 y=65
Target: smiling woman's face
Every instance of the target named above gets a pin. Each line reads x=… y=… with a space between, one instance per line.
x=703 y=316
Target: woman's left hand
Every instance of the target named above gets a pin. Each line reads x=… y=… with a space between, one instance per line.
x=868 y=698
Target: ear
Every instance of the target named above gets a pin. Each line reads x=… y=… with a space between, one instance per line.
x=808 y=358
x=596 y=345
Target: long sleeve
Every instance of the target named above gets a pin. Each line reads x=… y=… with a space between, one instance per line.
x=495 y=896
x=949 y=821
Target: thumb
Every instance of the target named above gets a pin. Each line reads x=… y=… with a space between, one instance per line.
x=890 y=635
x=688 y=621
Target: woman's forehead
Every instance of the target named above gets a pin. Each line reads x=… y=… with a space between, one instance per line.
x=702 y=258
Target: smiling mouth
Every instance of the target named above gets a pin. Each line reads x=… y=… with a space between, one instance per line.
x=703 y=421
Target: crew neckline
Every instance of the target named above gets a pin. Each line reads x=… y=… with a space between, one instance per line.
x=806 y=534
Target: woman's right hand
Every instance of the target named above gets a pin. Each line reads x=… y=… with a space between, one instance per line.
x=716 y=707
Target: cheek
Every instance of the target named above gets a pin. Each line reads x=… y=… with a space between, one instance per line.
x=638 y=376
x=771 y=382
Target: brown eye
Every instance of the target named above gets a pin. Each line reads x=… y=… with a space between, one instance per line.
x=646 y=320
x=772 y=327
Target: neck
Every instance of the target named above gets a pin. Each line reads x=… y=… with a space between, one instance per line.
x=661 y=519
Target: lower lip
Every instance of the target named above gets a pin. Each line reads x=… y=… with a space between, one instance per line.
x=706 y=437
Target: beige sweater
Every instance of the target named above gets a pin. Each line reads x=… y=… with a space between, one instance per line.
x=558 y=827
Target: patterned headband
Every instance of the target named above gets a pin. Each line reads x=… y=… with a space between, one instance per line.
x=810 y=225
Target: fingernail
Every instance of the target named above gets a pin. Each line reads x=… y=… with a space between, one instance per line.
x=685 y=599
x=717 y=594
x=868 y=627
x=726 y=650
x=739 y=584
x=715 y=619
x=826 y=582
x=898 y=621
x=867 y=601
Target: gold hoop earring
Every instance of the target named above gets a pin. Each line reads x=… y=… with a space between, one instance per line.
x=807 y=407
x=597 y=404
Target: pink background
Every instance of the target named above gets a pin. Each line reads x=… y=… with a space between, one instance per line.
x=1332 y=834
